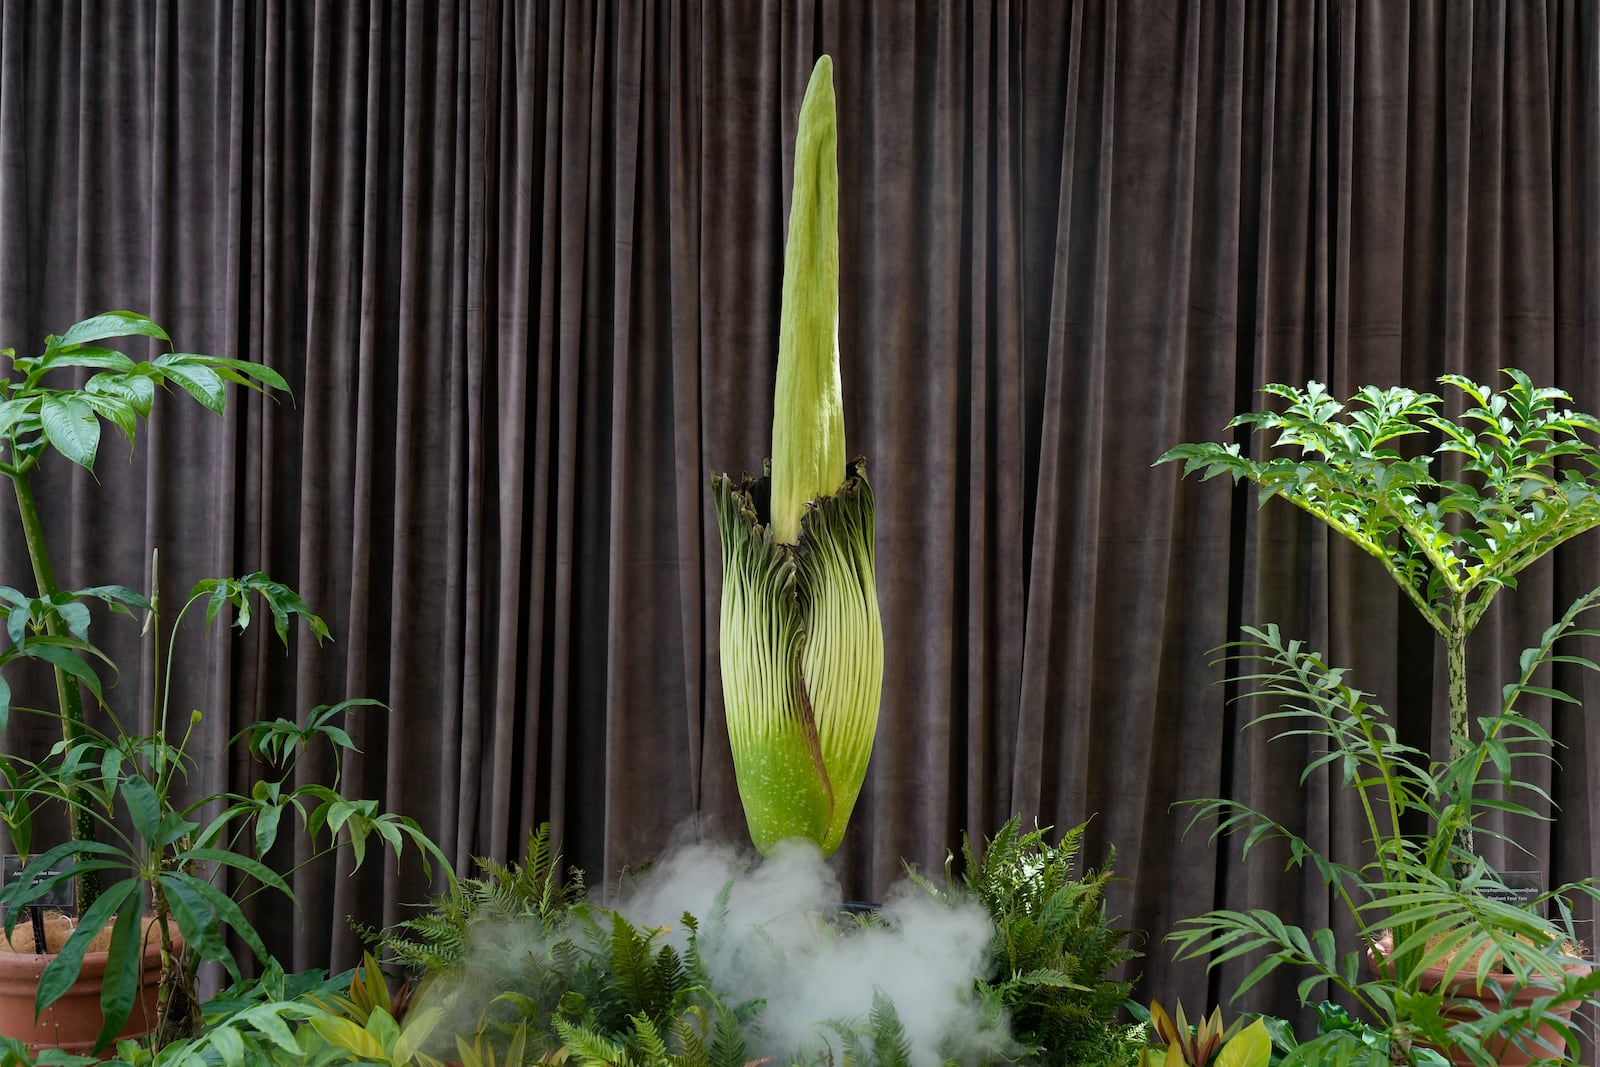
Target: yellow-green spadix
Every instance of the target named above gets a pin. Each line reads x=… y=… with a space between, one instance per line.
x=802 y=642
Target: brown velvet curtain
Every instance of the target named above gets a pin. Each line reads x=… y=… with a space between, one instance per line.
x=521 y=264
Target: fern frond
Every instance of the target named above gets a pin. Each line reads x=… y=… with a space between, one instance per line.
x=890 y=1046
x=589 y=1048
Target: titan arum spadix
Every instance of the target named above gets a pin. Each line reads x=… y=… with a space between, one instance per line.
x=802 y=643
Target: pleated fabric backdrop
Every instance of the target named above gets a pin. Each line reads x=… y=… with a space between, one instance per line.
x=521 y=263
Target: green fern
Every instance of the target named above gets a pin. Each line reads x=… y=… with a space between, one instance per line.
x=889 y=1042
x=728 y=1047
x=533 y=890
x=587 y=1046
x=879 y=1040
x=644 y=980
x=1053 y=949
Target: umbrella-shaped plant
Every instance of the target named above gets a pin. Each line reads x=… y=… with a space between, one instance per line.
x=802 y=642
x=1511 y=476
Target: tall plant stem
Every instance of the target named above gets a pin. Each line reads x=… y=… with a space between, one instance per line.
x=1455 y=660
x=68 y=696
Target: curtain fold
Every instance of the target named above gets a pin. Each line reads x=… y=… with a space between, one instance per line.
x=521 y=264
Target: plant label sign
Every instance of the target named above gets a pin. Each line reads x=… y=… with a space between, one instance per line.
x=12 y=868
x=1520 y=888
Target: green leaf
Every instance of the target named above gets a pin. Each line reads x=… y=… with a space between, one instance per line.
x=1250 y=1047
x=137 y=388
x=114 y=409
x=124 y=974
x=219 y=597
x=89 y=356
x=341 y=811
x=144 y=807
x=228 y=912
x=173 y=827
x=196 y=379
x=114 y=595
x=241 y=371
x=60 y=973
x=266 y=1021
x=111 y=324
x=71 y=428
x=244 y=864
x=344 y=1034
x=67 y=661
x=228 y=1043
x=267 y=820
x=283 y=602
x=196 y=919
x=75 y=617
x=14 y=412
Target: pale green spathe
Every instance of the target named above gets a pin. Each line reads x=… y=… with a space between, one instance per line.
x=801 y=635
x=802 y=660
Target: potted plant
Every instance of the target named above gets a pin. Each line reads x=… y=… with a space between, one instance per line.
x=150 y=865
x=1429 y=909
x=802 y=639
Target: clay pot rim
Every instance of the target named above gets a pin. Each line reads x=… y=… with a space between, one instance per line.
x=100 y=956
x=153 y=949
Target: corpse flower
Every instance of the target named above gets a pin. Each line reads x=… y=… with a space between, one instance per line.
x=802 y=642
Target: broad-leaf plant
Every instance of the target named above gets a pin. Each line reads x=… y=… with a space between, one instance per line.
x=1454 y=507
x=802 y=640
x=150 y=863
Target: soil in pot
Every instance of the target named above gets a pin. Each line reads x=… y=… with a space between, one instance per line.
x=73 y=1022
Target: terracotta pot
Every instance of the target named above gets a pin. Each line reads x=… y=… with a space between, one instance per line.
x=73 y=1022
x=1463 y=992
